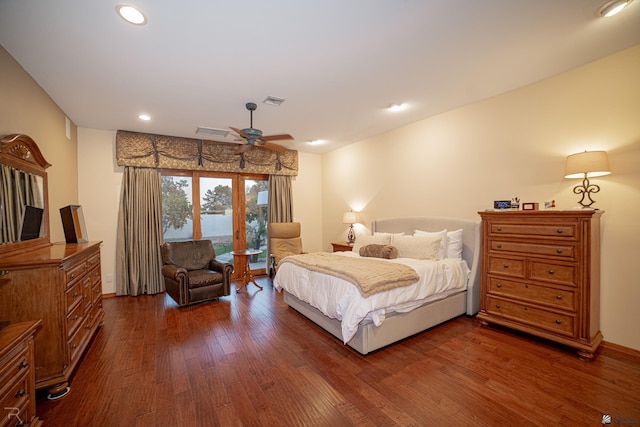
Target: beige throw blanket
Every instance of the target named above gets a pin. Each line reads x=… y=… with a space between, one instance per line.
x=370 y=276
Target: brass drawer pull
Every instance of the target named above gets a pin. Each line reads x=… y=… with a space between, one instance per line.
x=75 y=317
x=73 y=275
x=497 y=305
x=559 y=250
x=74 y=346
x=558 y=296
x=551 y=271
x=499 y=246
x=74 y=295
x=559 y=322
x=559 y=230
x=499 y=228
x=505 y=265
x=21 y=392
x=498 y=285
x=23 y=364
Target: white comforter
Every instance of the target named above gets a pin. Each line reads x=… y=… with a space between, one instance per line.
x=339 y=299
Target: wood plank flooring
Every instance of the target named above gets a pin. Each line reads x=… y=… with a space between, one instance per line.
x=249 y=360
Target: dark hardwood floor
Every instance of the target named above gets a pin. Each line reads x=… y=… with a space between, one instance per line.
x=249 y=360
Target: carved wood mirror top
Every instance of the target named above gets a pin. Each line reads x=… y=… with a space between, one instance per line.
x=24 y=182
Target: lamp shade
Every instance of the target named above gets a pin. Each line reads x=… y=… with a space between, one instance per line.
x=349 y=218
x=591 y=163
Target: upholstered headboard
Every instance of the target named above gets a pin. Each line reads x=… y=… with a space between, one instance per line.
x=470 y=242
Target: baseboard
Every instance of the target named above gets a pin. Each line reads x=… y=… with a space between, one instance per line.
x=621 y=349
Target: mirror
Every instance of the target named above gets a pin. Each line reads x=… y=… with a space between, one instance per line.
x=24 y=209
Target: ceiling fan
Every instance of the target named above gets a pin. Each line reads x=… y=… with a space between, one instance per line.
x=254 y=136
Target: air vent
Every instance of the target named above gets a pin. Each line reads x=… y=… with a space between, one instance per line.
x=272 y=100
x=212 y=131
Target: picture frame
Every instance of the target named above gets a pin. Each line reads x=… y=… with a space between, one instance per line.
x=530 y=206
x=75 y=230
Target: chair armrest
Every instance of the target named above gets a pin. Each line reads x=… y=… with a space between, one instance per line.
x=174 y=272
x=221 y=267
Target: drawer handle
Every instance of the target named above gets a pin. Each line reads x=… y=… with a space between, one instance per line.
x=499 y=228
x=74 y=295
x=505 y=265
x=558 y=296
x=21 y=392
x=497 y=305
x=559 y=322
x=559 y=230
x=499 y=246
x=499 y=285
x=73 y=275
x=559 y=250
x=74 y=346
x=75 y=317
x=551 y=271
x=23 y=364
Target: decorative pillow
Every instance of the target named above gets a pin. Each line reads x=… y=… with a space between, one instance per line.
x=454 y=244
x=418 y=247
x=379 y=251
x=391 y=235
x=364 y=240
x=442 y=251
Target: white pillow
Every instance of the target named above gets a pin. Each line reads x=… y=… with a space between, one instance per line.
x=417 y=247
x=391 y=235
x=442 y=252
x=454 y=244
x=364 y=240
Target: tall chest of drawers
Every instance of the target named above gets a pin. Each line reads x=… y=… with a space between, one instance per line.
x=60 y=285
x=541 y=275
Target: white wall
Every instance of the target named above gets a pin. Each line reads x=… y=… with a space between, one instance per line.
x=514 y=144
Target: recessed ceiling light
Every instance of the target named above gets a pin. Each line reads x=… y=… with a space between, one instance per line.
x=144 y=117
x=131 y=14
x=316 y=142
x=612 y=7
x=397 y=107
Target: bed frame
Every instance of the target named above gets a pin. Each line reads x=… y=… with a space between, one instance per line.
x=402 y=325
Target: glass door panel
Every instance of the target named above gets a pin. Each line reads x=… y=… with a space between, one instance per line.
x=216 y=215
x=177 y=210
x=255 y=201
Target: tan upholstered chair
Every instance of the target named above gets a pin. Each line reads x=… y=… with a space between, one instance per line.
x=192 y=274
x=284 y=239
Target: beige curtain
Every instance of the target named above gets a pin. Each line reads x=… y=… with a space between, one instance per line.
x=139 y=261
x=280 y=199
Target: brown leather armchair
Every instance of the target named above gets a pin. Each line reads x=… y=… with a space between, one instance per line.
x=192 y=274
x=284 y=239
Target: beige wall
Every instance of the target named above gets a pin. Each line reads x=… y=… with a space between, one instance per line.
x=514 y=144
x=27 y=109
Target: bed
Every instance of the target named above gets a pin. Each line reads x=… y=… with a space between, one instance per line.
x=399 y=324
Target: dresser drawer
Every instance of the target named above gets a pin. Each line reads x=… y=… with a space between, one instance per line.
x=557 y=298
x=16 y=399
x=75 y=343
x=553 y=273
x=96 y=293
x=567 y=230
x=12 y=366
x=526 y=314
x=75 y=271
x=561 y=251
x=73 y=295
x=74 y=319
x=506 y=266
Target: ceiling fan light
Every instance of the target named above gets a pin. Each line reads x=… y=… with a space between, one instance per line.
x=612 y=7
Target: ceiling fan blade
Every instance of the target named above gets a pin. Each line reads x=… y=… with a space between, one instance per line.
x=274 y=147
x=281 y=137
x=239 y=132
x=243 y=148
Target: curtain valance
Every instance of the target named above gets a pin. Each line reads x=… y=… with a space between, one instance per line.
x=171 y=152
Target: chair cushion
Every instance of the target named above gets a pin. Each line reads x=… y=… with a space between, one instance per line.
x=199 y=278
x=283 y=247
x=284 y=230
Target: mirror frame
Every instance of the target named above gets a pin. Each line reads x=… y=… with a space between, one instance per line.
x=21 y=152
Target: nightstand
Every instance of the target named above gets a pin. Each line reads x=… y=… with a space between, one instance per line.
x=342 y=246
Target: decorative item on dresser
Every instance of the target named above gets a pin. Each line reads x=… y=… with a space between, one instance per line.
x=541 y=275
x=17 y=390
x=342 y=246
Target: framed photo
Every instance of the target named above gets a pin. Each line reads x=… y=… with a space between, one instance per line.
x=75 y=230
x=531 y=206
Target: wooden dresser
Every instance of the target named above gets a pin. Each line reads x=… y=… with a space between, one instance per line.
x=61 y=285
x=17 y=389
x=541 y=275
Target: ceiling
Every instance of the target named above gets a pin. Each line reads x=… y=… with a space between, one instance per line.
x=338 y=64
